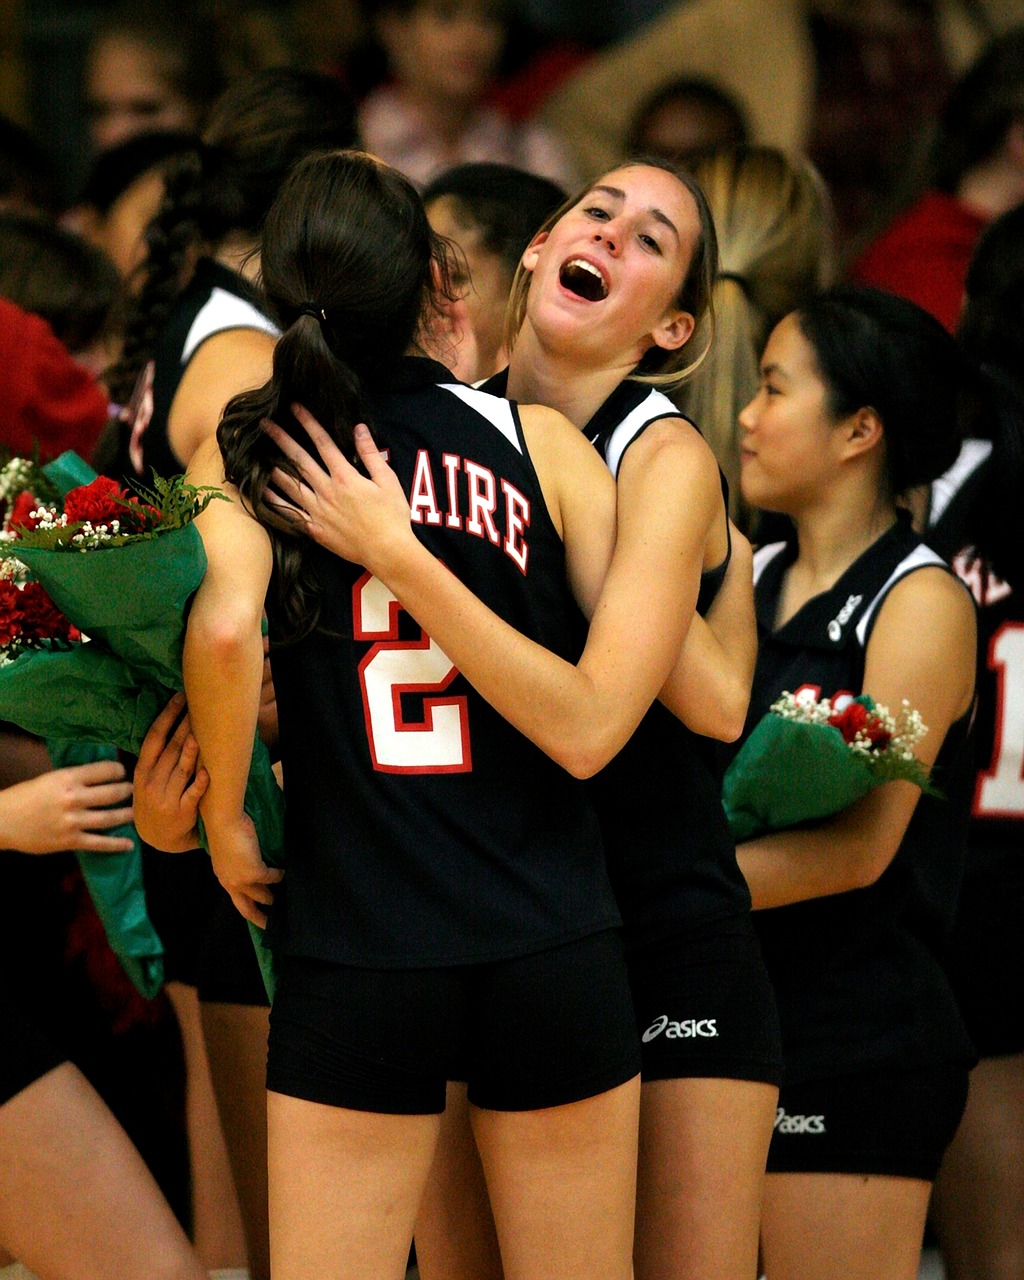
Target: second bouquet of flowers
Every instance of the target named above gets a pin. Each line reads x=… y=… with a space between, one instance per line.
x=810 y=757
x=122 y=570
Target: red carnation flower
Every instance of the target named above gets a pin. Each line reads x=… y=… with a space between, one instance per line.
x=42 y=619
x=21 y=513
x=11 y=615
x=850 y=721
x=98 y=502
x=878 y=735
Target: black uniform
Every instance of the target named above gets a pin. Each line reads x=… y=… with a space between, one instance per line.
x=446 y=851
x=703 y=1001
x=875 y=1049
x=206 y=942
x=985 y=955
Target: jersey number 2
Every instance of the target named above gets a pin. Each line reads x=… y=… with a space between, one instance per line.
x=1000 y=789
x=394 y=668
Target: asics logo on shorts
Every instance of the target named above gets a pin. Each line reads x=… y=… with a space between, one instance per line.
x=685 y=1030
x=798 y=1124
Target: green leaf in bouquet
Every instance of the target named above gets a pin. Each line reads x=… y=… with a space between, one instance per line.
x=114 y=881
x=788 y=772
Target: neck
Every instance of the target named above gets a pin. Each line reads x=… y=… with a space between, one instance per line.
x=834 y=533
x=537 y=375
x=239 y=254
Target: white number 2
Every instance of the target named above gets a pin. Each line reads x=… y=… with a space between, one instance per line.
x=1000 y=789
x=439 y=742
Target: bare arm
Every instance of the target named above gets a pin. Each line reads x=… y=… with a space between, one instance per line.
x=581 y=716
x=709 y=688
x=922 y=649
x=223 y=669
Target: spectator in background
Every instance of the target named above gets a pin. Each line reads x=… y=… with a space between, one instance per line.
x=775 y=244
x=150 y=67
x=443 y=56
x=490 y=212
x=50 y=402
x=123 y=193
x=978 y=175
x=686 y=119
x=70 y=283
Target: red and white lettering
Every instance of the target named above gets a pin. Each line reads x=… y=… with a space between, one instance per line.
x=999 y=792
x=517 y=521
x=422 y=499
x=439 y=742
x=451 y=463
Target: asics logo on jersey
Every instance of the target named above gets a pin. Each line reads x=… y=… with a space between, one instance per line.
x=835 y=627
x=685 y=1030
x=798 y=1124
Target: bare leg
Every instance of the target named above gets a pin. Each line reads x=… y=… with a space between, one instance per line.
x=703 y=1147
x=455 y=1236
x=236 y=1040
x=216 y=1217
x=978 y=1199
x=819 y=1226
x=76 y=1199
x=345 y=1188
x=562 y=1184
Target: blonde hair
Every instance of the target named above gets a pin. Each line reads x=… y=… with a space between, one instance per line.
x=666 y=370
x=776 y=248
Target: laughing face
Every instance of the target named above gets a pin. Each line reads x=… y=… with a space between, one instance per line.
x=607 y=276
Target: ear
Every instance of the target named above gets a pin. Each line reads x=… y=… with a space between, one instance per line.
x=673 y=330
x=532 y=252
x=861 y=432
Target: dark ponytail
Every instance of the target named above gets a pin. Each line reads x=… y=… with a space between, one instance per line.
x=258 y=129
x=349 y=263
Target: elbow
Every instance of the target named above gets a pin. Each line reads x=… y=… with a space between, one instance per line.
x=869 y=864
x=584 y=755
x=224 y=636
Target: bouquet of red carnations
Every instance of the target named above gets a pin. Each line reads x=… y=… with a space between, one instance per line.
x=123 y=568
x=810 y=757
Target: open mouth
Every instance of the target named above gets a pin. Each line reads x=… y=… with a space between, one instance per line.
x=583 y=279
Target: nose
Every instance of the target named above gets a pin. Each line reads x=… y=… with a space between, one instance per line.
x=747 y=415
x=609 y=236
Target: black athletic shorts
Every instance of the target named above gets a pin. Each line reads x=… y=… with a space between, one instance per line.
x=25 y=1052
x=537 y=1031
x=985 y=958
x=206 y=940
x=705 y=1007
x=891 y=1123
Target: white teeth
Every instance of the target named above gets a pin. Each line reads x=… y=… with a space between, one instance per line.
x=584 y=265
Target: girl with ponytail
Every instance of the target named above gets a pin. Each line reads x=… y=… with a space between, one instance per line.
x=446 y=912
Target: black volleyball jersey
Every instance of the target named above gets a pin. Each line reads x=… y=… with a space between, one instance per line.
x=997 y=803
x=856 y=974
x=422 y=829
x=671 y=855
x=216 y=299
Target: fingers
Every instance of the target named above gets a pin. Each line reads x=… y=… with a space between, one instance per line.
x=251 y=910
x=97 y=772
x=325 y=446
x=89 y=842
x=156 y=738
x=298 y=494
x=195 y=792
x=373 y=460
x=101 y=795
x=103 y=819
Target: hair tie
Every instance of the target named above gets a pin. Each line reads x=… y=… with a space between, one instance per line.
x=311 y=309
x=735 y=276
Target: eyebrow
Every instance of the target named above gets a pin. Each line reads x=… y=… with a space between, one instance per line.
x=656 y=214
x=772 y=370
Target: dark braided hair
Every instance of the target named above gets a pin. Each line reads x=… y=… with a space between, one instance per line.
x=350 y=264
x=258 y=129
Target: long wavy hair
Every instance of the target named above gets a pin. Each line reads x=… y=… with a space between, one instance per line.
x=352 y=269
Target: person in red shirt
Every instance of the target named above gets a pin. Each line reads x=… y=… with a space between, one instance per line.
x=978 y=175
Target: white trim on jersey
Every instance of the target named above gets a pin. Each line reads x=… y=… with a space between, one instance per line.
x=224 y=310
x=972 y=454
x=654 y=405
x=918 y=559
x=495 y=409
x=763 y=557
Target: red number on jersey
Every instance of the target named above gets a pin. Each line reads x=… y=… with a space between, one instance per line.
x=1000 y=789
